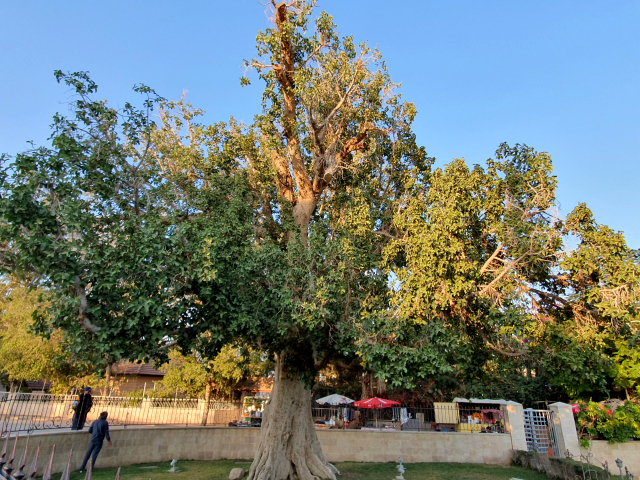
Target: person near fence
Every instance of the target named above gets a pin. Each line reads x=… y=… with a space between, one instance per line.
x=83 y=405
x=98 y=430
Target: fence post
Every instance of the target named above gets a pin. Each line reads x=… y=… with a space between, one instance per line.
x=145 y=411
x=565 y=427
x=514 y=425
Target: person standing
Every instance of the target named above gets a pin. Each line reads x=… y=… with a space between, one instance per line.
x=83 y=406
x=98 y=430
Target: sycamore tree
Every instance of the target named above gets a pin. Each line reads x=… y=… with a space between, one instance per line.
x=154 y=235
x=319 y=236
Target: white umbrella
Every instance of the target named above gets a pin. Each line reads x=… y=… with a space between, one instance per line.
x=334 y=399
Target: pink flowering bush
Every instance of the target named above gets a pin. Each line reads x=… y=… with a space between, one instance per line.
x=595 y=420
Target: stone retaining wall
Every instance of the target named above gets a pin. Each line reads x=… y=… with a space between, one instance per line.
x=413 y=447
x=161 y=444
x=628 y=452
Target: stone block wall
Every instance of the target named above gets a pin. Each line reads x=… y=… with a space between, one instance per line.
x=628 y=452
x=162 y=444
x=413 y=447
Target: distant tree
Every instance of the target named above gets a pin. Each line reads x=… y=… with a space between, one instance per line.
x=25 y=356
x=183 y=374
x=197 y=377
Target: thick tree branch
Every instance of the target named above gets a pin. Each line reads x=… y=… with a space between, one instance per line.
x=572 y=306
x=491 y=259
x=285 y=182
x=506 y=270
x=500 y=351
x=284 y=74
x=82 y=311
x=385 y=234
x=321 y=363
x=170 y=344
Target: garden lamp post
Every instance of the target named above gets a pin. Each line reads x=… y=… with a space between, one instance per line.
x=619 y=465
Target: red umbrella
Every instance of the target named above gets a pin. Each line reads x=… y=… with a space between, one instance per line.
x=375 y=402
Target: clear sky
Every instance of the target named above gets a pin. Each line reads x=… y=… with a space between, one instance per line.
x=560 y=76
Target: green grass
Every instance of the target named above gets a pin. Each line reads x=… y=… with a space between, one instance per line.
x=219 y=470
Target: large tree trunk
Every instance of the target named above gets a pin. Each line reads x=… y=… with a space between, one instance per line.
x=289 y=448
x=367 y=386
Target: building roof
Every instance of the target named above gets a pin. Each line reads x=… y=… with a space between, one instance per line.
x=143 y=369
x=38 y=385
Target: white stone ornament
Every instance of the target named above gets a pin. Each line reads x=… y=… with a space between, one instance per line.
x=173 y=468
x=401 y=470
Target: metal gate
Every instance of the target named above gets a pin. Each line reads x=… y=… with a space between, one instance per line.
x=540 y=431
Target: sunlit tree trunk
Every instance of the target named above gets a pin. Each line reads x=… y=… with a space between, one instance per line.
x=289 y=448
x=207 y=400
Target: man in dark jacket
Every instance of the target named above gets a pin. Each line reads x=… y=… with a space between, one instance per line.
x=98 y=430
x=84 y=404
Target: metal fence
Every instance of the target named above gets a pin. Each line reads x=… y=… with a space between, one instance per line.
x=482 y=418
x=39 y=411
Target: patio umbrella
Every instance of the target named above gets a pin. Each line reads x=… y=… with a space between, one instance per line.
x=334 y=399
x=375 y=402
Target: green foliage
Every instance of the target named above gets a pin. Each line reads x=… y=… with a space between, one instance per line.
x=25 y=356
x=627 y=362
x=603 y=271
x=318 y=236
x=183 y=374
x=81 y=215
x=484 y=262
x=510 y=385
x=620 y=425
x=190 y=374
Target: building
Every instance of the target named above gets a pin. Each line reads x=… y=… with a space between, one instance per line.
x=129 y=377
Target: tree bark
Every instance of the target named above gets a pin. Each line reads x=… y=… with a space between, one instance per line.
x=107 y=380
x=207 y=399
x=289 y=448
x=367 y=386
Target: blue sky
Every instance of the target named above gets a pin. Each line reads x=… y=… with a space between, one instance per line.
x=560 y=76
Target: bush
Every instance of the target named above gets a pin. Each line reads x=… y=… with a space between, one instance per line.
x=135 y=398
x=619 y=425
x=555 y=468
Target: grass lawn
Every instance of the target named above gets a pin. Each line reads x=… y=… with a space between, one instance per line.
x=219 y=470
